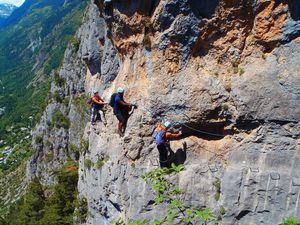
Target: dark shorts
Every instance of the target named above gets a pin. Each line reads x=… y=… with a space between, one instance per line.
x=122 y=117
x=163 y=155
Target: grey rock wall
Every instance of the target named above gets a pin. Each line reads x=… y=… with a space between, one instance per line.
x=256 y=151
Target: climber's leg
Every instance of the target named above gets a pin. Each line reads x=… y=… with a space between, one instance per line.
x=102 y=116
x=163 y=155
x=121 y=124
x=93 y=115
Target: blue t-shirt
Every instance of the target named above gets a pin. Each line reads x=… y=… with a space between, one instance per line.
x=117 y=105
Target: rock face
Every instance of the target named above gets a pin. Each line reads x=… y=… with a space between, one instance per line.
x=229 y=68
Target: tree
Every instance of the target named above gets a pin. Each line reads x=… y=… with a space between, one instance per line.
x=28 y=210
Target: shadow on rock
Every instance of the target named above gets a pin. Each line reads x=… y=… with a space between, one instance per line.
x=177 y=157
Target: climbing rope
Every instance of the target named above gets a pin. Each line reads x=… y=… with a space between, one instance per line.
x=201 y=131
x=189 y=127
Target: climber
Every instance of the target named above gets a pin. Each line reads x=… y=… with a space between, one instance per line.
x=97 y=107
x=107 y=3
x=122 y=109
x=162 y=138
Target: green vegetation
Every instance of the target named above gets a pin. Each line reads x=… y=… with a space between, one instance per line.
x=28 y=209
x=38 y=139
x=65 y=101
x=241 y=71
x=81 y=210
x=31 y=47
x=217 y=185
x=171 y=195
x=34 y=208
x=147 y=42
x=75 y=43
x=60 y=121
x=148 y=27
x=131 y=222
x=84 y=146
x=222 y=210
x=11 y=185
x=100 y=163
x=19 y=153
x=59 y=81
x=73 y=148
x=88 y=163
x=291 y=221
x=81 y=106
x=225 y=107
x=57 y=96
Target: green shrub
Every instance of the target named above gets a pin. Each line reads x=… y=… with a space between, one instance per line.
x=217 y=185
x=81 y=105
x=171 y=196
x=84 y=146
x=57 y=96
x=100 y=163
x=38 y=140
x=291 y=221
x=241 y=71
x=58 y=208
x=82 y=210
x=60 y=121
x=147 y=42
x=222 y=210
x=75 y=43
x=148 y=27
x=225 y=107
x=217 y=196
x=73 y=148
x=65 y=101
x=131 y=222
x=88 y=163
x=59 y=81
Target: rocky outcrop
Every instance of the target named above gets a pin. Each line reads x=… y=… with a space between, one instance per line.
x=228 y=68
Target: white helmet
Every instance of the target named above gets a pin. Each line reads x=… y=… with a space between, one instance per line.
x=120 y=90
x=167 y=124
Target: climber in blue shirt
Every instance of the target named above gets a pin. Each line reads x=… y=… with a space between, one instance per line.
x=122 y=110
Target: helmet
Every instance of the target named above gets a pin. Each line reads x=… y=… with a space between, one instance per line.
x=167 y=124
x=95 y=92
x=120 y=90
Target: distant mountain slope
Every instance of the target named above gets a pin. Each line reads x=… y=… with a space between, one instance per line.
x=5 y=11
x=32 y=44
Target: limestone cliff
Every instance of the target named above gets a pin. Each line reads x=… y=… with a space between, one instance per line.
x=229 y=68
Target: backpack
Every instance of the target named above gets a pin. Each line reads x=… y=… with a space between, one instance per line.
x=112 y=100
x=160 y=137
